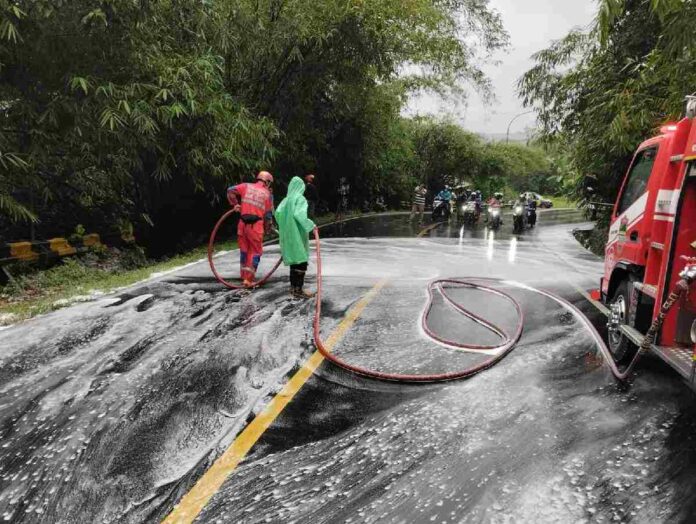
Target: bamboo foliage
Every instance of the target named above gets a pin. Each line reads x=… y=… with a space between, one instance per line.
x=106 y=104
x=601 y=92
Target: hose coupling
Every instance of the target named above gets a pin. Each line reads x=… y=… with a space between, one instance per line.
x=688 y=273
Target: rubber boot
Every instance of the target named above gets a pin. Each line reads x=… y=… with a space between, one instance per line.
x=301 y=293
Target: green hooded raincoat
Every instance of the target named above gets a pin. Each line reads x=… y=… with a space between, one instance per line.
x=294 y=225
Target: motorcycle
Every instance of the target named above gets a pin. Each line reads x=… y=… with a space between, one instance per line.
x=495 y=218
x=519 y=217
x=441 y=210
x=470 y=213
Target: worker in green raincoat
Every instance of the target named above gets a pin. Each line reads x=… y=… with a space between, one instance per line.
x=294 y=226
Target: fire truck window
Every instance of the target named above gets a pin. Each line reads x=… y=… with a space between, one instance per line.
x=638 y=178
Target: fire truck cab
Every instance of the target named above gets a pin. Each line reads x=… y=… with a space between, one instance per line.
x=651 y=236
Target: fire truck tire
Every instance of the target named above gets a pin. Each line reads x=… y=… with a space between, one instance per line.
x=623 y=302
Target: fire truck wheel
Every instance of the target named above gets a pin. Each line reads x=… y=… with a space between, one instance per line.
x=623 y=312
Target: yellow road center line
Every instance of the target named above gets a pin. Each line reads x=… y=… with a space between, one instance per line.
x=212 y=480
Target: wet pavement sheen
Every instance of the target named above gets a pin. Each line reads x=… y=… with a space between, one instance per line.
x=110 y=410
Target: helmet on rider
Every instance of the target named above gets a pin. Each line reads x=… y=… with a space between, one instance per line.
x=498 y=195
x=265 y=177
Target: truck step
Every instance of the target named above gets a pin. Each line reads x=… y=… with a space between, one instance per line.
x=632 y=334
x=678 y=358
x=681 y=359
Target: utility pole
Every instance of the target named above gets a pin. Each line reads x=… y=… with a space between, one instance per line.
x=507 y=136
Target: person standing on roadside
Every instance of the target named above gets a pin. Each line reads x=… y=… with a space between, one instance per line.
x=254 y=202
x=294 y=226
x=343 y=192
x=312 y=196
x=418 y=202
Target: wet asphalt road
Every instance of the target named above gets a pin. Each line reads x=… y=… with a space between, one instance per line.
x=110 y=410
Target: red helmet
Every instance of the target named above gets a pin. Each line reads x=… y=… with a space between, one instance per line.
x=265 y=176
x=309 y=178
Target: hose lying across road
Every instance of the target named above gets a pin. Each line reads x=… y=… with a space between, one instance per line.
x=500 y=351
x=508 y=342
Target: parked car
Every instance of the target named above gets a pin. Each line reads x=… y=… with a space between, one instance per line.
x=543 y=203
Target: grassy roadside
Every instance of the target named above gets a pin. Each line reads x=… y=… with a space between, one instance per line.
x=561 y=202
x=79 y=279
x=73 y=280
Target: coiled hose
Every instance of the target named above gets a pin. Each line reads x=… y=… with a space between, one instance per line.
x=211 y=262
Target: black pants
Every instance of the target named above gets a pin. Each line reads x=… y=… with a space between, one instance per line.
x=297 y=275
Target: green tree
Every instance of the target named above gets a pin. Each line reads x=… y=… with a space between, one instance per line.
x=102 y=106
x=601 y=92
x=122 y=111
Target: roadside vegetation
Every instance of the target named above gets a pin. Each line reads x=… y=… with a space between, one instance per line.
x=600 y=92
x=126 y=115
x=34 y=291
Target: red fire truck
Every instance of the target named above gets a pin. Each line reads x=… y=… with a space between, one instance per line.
x=651 y=245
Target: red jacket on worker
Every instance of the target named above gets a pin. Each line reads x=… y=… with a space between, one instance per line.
x=255 y=203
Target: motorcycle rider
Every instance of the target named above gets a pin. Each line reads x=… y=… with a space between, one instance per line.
x=532 y=211
x=495 y=201
x=462 y=197
x=477 y=198
x=445 y=195
x=254 y=202
x=444 y=198
x=520 y=213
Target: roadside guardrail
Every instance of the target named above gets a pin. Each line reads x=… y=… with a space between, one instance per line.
x=46 y=249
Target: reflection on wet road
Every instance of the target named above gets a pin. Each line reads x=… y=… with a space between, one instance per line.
x=110 y=411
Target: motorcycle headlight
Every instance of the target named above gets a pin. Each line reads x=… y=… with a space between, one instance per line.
x=518 y=210
x=494 y=212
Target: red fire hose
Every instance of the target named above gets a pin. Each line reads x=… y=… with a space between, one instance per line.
x=506 y=345
x=211 y=262
x=507 y=342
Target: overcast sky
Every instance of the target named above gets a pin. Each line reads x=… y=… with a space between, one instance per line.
x=532 y=25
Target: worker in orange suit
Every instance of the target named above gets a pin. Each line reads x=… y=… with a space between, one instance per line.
x=254 y=202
